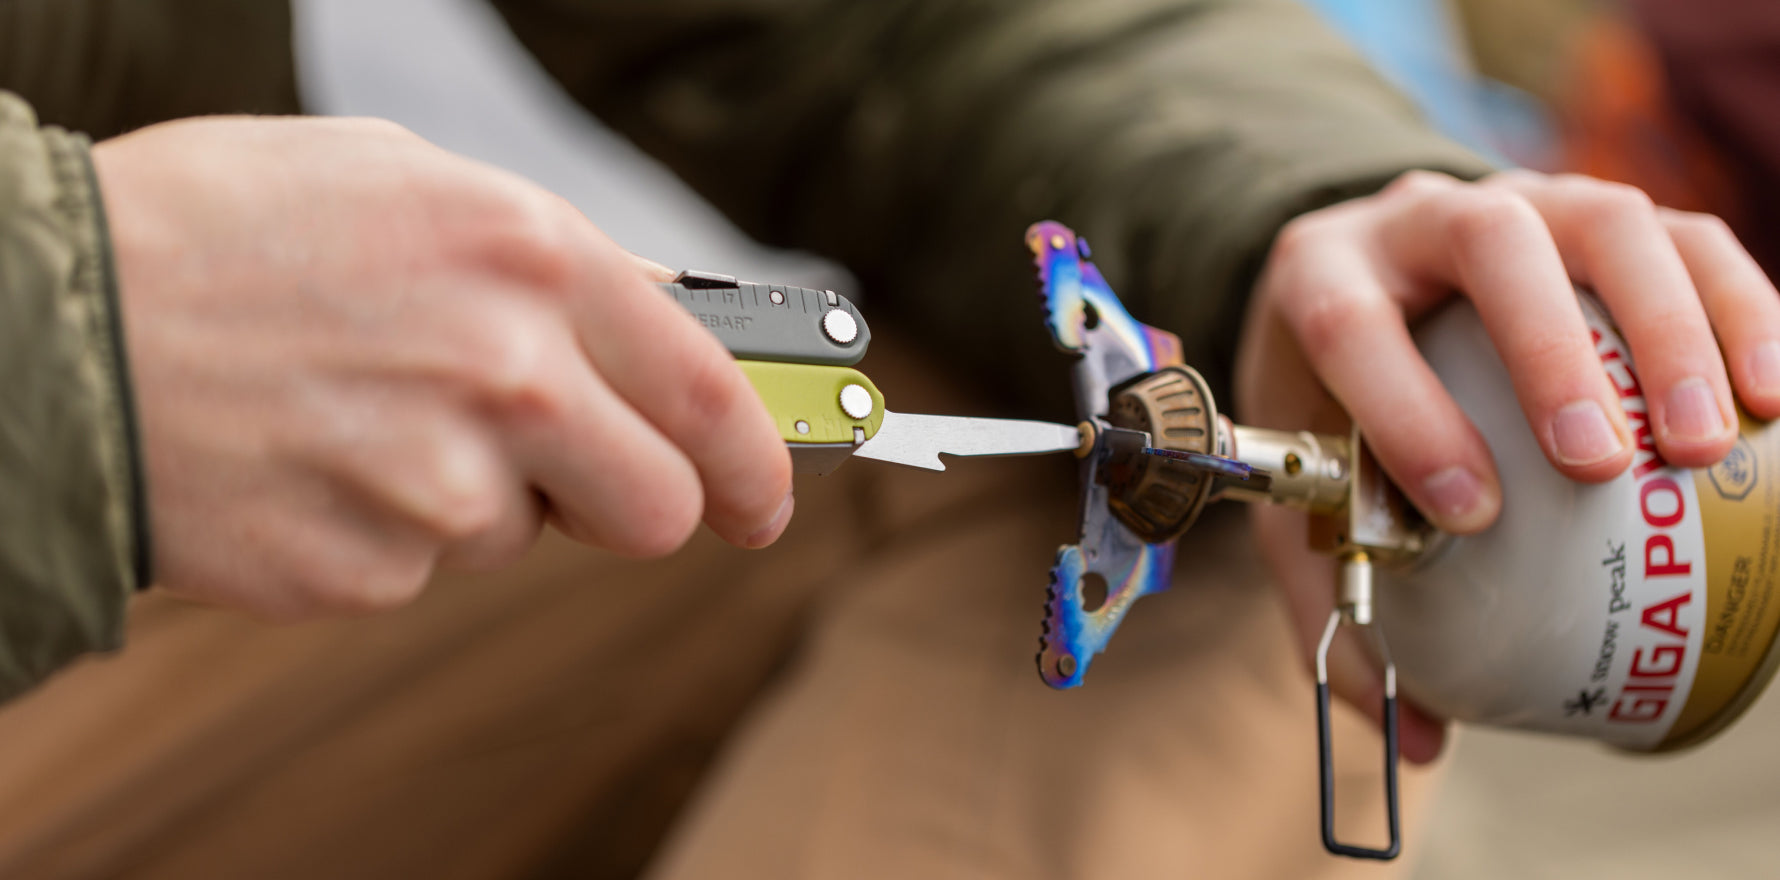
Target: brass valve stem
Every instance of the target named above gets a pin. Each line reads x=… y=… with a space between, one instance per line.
x=1353 y=591
x=1306 y=471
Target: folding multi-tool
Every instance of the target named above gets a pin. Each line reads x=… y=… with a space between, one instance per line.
x=1154 y=452
x=798 y=347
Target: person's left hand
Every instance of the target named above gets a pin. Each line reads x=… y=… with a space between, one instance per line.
x=1328 y=331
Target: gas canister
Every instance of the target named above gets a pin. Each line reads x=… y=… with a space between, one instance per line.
x=1640 y=612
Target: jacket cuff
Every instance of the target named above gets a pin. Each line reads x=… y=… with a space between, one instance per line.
x=73 y=532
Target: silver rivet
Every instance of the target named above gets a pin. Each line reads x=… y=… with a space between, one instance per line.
x=802 y=426
x=777 y=296
x=840 y=326
x=856 y=401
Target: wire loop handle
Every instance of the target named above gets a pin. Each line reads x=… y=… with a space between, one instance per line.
x=1355 y=607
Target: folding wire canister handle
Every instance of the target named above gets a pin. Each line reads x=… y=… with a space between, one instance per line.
x=1359 y=518
x=1354 y=607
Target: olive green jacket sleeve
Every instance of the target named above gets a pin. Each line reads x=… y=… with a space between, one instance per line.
x=74 y=537
x=104 y=67
x=914 y=140
x=70 y=550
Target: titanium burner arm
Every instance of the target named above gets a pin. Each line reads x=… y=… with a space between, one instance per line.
x=1136 y=501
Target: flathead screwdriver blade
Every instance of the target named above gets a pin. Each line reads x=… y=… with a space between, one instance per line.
x=1215 y=464
x=919 y=440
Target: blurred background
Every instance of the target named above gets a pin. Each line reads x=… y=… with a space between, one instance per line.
x=1665 y=94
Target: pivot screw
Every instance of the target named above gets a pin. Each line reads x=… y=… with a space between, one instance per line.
x=856 y=401
x=840 y=326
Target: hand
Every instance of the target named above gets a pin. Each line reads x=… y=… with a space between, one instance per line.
x=1332 y=311
x=357 y=356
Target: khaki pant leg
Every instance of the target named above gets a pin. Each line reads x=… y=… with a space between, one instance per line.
x=914 y=738
x=548 y=720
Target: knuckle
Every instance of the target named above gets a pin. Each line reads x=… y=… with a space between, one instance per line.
x=528 y=237
x=1516 y=178
x=660 y=529
x=507 y=363
x=466 y=516
x=1293 y=238
x=1326 y=317
x=1298 y=240
x=1487 y=214
x=1609 y=200
x=1420 y=182
x=389 y=129
x=382 y=584
x=371 y=126
x=461 y=491
x=397 y=580
x=1697 y=226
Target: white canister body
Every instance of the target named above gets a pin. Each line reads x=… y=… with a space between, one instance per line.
x=1641 y=611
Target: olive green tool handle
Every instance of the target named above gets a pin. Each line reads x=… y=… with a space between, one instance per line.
x=797 y=347
x=774 y=322
x=823 y=412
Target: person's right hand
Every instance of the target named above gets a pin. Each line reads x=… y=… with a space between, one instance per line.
x=357 y=356
x=1330 y=320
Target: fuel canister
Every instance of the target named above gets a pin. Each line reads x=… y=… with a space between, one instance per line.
x=1640 y=612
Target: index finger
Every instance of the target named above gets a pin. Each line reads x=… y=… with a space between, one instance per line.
x=1494 y=247
x=680 y=378
x=1353 y=335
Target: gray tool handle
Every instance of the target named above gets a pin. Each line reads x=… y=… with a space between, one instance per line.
x=774 y=322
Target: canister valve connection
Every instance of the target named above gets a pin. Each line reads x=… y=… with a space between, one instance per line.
x=1196 y=456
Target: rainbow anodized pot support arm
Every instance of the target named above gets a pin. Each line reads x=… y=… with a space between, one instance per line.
x=1137 y=502
x=1086 y=319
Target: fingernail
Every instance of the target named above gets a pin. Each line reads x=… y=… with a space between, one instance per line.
x=775 y=528
x=1691 y=412
x=1582 y=434
x=1764 y=368
x=1454 y=493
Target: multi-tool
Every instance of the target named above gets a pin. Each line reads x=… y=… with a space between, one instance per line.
x=1153 y=450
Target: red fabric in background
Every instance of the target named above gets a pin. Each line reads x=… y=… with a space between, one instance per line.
x=1722 y=62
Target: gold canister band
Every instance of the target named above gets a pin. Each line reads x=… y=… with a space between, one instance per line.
x=1740 y=520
